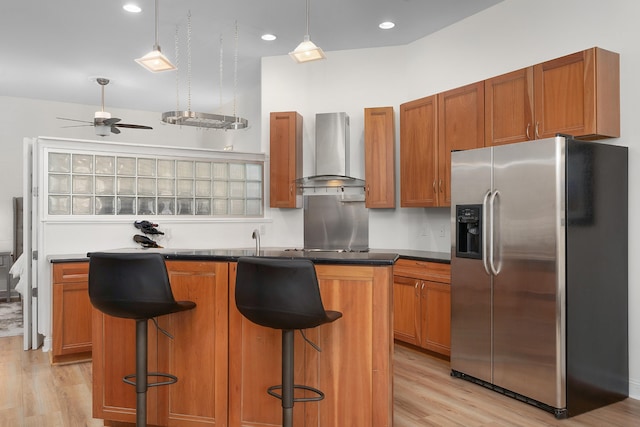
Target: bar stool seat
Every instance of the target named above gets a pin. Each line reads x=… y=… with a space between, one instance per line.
x=135 y=286
x=283 y=294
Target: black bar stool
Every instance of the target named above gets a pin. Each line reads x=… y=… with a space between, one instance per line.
x=283 y=294
x=135 y=286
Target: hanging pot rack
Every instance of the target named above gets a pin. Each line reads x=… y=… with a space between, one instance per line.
x=206 y=120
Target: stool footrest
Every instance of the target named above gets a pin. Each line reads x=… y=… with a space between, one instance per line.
x=172 y=379
x=320 y=395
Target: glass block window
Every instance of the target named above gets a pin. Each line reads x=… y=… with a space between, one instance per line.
x=92 y=184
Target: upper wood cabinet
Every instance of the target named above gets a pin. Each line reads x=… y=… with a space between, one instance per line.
x=577 y=94
x=460 y=127
x=508 y=106
x=285 y=159
x=430 y=128
x=379 y=157
x=418 y=152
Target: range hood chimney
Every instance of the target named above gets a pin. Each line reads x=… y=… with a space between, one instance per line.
x=332 y=153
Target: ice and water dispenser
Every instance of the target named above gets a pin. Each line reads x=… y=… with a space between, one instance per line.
x=469 y=231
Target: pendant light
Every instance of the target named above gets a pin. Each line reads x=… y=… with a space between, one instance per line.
x=155 y=60
x=307 y=51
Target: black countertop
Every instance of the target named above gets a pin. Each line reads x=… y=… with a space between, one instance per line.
x=372 y=257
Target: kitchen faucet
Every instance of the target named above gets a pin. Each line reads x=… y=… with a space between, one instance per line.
x=256 y=235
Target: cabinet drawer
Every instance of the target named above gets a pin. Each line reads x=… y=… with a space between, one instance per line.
x=433 y=271
x=69 y=272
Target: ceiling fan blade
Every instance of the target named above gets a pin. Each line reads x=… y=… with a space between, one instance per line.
x=76 y=126
x=111 y=121
x=74 y=120
x=130 y=126
x=115 y=130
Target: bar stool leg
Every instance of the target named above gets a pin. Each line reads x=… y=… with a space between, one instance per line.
x=287 y=378
x=141 y=372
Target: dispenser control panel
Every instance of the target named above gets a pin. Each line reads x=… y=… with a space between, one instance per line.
x=469 y=231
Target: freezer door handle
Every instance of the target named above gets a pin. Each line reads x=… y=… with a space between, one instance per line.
x=492 y=209
x=485 y=209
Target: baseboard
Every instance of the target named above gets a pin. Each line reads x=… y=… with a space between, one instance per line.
x=634 y=388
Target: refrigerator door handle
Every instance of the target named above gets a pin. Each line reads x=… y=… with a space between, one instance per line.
x=492 y=207
x=485 y=209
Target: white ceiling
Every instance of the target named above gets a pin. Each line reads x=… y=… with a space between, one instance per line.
x=50 y=49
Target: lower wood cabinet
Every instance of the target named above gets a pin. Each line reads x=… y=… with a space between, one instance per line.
x=354 y=369
x=71 y=312
x=197 y=355
x=422 y=304
x=225 y=363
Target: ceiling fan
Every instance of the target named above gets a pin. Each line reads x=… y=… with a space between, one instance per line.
x=102 y=121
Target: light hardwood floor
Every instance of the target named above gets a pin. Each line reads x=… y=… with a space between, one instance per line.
x=35 y=394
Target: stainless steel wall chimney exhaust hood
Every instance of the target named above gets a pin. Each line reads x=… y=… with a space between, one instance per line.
x=332 y=153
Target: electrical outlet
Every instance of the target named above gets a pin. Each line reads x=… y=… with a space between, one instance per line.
x=442 y=231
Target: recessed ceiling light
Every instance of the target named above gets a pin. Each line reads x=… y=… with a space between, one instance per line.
x=268 y=37
x=387 y=25
x=133 y=8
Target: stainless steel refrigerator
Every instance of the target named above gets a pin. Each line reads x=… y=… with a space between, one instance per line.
x=539 y=306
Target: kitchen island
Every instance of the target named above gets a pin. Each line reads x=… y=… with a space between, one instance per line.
x=225 y=363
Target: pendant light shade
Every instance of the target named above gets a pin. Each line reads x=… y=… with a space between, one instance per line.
x=155 y=61
x=307 y=51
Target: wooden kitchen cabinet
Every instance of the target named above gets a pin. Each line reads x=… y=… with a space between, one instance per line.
x=422 y=304
x=418 y=152
x=197 y=355
x=460 y=127
x=71 y=312
x=353 y=370
x=285 y=136
x=430 y=128
x=577 y=94
x=509 y=108
x=379 y=157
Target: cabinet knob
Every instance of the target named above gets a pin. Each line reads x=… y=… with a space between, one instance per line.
x=528 y=126
x=537 y=125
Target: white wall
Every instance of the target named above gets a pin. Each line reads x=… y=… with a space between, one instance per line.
x=511 y=35
x=21 y=117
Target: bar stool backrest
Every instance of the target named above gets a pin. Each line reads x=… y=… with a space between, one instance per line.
x=280 y=293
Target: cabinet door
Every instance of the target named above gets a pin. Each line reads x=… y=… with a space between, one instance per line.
x=285 y=159
x=255 y=366
x=379 y=158
x=461 y=127
x=437 y=328
x=114 y=356
x=418 y=159
x=508 y=108
x=354 y=368
x=197 y=354
x=579 y=95
x=406 y=310
x=71 y=312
